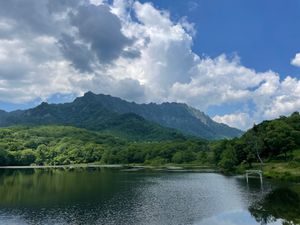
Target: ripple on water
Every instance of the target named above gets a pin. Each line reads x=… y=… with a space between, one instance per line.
x=111 y=197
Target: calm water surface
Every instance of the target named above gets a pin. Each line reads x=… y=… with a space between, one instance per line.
x=112 y=196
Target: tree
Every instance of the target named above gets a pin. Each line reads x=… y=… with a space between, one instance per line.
x=3 y=157
x=253 y=146
x=218 y=148
x=41 y=157
x=178 y=157
x=278 y=138
x=228 y=158
x=202 y=157
x=24 y=157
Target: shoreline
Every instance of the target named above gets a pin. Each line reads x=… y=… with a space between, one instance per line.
x=126 y=167
x=61 y=166
x=166 y=168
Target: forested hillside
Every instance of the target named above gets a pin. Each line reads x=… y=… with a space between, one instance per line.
x=276 y=140
x=59 y=145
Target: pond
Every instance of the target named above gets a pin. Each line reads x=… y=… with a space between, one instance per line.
x=114 y=196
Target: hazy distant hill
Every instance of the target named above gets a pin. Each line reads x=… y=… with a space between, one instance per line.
x=139 y=121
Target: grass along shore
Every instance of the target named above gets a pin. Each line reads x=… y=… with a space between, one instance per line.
x=288 y=170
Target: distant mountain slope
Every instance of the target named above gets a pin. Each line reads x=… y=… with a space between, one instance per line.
x=92 y=116
x=104 y=112
x=174 y=115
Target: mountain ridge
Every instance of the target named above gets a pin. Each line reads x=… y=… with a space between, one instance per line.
x=207 y=129
x=93 y=111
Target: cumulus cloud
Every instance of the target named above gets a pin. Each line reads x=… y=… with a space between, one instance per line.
x=132 y=50
x=241 y=120
x=78 y=53
x=285 y=100
x=99 y=27
x=296 y=60
x=221 y=80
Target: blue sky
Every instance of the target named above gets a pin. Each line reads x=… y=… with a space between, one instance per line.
x=265 y=34
x=235 y=60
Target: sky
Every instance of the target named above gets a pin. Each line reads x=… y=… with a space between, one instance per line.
x=238 y=61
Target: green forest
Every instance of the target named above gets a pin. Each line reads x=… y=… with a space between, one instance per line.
x=273 y=145
x=61 y=145
x=274 y=141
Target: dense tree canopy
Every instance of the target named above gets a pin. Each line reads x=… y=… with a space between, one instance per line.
x=58 y=145
x=268 y=140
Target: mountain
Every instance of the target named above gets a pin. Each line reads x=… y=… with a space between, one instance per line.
x=179 y=116
x=89 y=116
x=104 y=112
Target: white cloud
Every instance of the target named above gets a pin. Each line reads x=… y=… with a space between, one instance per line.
x=97 y=2
x=32 y=70
x=296 y=61
x=285 y=100
x=241 y=120
x=156 y=63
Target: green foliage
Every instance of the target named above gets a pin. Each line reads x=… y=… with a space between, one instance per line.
x=275 y=139
x=22 y=158
x=183 y=157
x=134 y=127
x=4 y=159
x=228 y=158
x=59 y=145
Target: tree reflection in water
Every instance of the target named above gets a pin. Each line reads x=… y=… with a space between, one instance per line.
x=281 y=203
